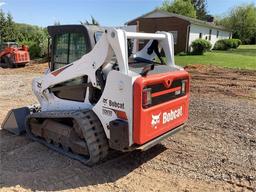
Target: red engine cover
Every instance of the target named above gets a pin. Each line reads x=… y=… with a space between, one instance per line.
x=21 y=56
x=156 y=120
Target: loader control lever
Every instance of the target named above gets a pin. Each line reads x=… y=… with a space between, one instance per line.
x=100 y=78
x=146 y=69
x=154 y=47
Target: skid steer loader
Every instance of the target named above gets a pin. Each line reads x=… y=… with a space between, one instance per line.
x=97 y=95
x=12 y=55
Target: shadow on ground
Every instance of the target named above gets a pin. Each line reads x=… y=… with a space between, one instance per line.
x=33 y=166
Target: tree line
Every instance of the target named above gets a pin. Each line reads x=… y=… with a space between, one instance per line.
x=241 y=19
x=190 y=8
x=33 y=36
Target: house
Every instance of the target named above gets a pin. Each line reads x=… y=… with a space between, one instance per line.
x=184 y=29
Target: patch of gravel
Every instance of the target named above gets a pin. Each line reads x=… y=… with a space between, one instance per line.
x=215 y=152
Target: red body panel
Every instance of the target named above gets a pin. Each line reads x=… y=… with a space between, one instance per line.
x=21 y=56
x=170 y=114
x=18 y=55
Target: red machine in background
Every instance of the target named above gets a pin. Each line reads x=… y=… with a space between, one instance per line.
x=13 y=55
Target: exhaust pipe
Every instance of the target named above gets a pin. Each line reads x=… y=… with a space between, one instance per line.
x=15 y=119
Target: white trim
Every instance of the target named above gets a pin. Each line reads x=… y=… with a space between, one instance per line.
x=195 y=30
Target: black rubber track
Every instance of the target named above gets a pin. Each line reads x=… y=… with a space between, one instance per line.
x=88 y=123
x=6 y=62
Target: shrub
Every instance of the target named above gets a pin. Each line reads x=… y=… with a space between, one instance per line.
x=225 y=44
x=200 y=46
x=229 y=43
x=36 y=50
x=220 y=45
x=182 y=54
x=239 y=42
x=235 y=43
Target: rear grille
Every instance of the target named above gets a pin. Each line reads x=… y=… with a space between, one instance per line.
x=173 y=92
x=21 y=57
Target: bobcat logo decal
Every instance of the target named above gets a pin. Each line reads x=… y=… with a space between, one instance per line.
x=155 y=120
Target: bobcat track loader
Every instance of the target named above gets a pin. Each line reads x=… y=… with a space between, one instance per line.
x=97 y=95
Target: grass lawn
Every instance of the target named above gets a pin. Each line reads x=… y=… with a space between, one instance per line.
x=242 y=58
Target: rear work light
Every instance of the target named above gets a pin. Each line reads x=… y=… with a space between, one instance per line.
x=183 y=86
x=146 y=97
x=182 y=90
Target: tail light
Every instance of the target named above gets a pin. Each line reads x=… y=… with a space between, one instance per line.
x=146 y=97
x=121 y=115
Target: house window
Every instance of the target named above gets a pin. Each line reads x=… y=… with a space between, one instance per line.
x=200 y=35
x=210 y=35
x=175 y=36
x=217 y=34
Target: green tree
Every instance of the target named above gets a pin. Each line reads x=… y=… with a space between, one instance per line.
x=56 y=23
x=182 y=7
x=242 y=21
x=10 y=28
x=2 y=25
x=7 y=27
x=33 y=36
x=92 y=22
x=200 y=6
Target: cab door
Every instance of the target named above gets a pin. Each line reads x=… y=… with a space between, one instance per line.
x=67 y=48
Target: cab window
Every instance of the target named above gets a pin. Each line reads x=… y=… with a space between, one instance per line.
x=68 y=48
x=61 y=51
x=77 y=47
x=98 y=35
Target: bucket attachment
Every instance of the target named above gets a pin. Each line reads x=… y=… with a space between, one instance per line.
x=14 y=121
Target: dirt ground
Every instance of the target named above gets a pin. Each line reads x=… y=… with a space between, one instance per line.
x=215 y=152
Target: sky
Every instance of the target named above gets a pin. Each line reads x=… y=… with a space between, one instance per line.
x=106 y=12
